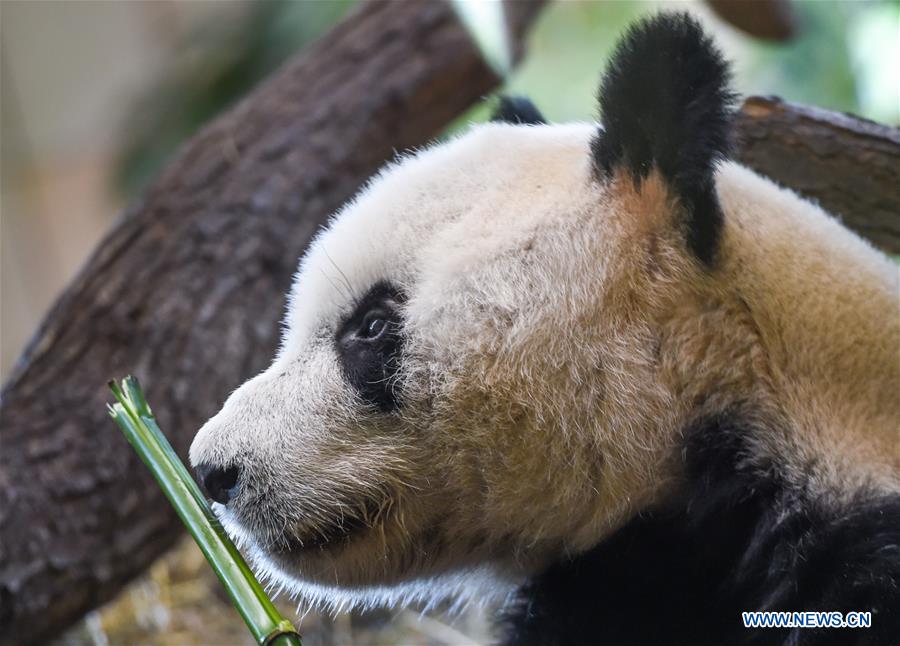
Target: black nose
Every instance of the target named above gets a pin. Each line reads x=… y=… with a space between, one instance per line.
x=220 y=483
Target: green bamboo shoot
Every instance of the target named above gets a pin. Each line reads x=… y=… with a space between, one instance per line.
x=134 y=417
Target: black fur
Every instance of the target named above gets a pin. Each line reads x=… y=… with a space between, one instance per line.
x=665 y=104
x=517 y=110
x=371 y=365
x=737 y=538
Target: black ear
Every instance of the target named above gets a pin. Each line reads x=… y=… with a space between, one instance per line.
x=665 y=103
x=517 y=110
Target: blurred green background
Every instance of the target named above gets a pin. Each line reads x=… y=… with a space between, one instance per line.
x=846 y=56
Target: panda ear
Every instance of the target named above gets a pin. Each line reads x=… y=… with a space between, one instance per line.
x=665 y=104
x=517 y=110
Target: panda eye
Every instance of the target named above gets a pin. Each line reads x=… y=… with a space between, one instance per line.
x=369 y=344
x=373 y=326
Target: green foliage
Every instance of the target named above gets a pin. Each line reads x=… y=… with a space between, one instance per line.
x=815 y=68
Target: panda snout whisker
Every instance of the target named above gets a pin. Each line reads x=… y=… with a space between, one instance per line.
x=326 y=528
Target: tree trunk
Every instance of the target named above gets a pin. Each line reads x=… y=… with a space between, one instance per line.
x=187 y=290
x=850 y=166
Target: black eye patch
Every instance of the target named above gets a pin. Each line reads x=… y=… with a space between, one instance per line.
x=369 y=342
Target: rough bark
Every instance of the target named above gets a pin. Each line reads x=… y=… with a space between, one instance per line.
x=850 y=166
x=187 y=289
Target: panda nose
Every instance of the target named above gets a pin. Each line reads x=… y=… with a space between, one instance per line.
x=220 y=483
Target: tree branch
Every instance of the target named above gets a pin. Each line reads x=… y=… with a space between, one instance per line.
x=849 y=165
x=771 y=20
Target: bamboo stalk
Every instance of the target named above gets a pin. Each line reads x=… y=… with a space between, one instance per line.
x=134 y=417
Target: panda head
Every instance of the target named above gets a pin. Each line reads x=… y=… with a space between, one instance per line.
x=486 y=361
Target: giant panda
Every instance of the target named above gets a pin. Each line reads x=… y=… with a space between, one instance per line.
x=599 y=375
